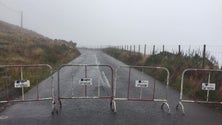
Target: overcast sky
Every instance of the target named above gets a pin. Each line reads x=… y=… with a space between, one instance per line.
x=120 y=22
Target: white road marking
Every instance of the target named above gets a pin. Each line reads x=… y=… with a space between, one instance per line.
x=2 y=117
x=105 y=79
x=97 y=62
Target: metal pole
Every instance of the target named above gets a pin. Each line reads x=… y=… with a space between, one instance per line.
x=59 y=98
x=208 y=91
x=7 y=81
x=21 y=19
x=23 y=95
x=85 y=77
x=140 y=92
x=72 y=82
x=128 y=91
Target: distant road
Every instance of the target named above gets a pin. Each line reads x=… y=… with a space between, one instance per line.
x=97 y=111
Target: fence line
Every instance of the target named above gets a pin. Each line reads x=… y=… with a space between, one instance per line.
x=211 y=52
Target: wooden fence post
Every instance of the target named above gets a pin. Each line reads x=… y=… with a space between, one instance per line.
x=163 y=48
x=130 y=49
x=153 y=49
x=204 y=56
x=144 y=54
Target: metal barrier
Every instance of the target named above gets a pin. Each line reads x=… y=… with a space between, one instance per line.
x=24 y=76
x=85 y=82
x=200 y=83
x=144 y=87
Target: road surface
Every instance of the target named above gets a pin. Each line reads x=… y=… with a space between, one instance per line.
x=97 y=111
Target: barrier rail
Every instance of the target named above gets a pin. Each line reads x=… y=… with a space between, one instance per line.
x=201 y=83
x=82 y=82
x=144 y=87
x=24 y=76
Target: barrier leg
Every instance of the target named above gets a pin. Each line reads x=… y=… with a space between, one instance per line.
x=60 y=103
x=113 y=105
x=167 y=105
x=53 y=107
x=180 y=104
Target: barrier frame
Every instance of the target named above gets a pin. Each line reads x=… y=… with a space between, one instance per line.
x=164 y=101
x=181 y=100
x=85 y=72
x=52 y=96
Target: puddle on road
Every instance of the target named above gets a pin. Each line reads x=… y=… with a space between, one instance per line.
x=2 y=117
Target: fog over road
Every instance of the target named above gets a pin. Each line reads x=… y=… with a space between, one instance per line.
x=97 y=111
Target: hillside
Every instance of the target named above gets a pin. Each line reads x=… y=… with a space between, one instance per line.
x=22 y=46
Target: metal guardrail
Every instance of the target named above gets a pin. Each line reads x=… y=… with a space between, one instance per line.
x=83 y=78
x=84 y=81
x=22 y=80
x=205 y=86
x=142 y=84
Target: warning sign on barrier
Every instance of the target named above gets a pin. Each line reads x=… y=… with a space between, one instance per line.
x=141 y=87
x=22 y=83
x=141 y=83
x=85 y=81
x=23 y=76
x=102 y=87
x=208 y=86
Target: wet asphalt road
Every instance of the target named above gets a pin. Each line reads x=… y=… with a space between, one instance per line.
x=97 y=111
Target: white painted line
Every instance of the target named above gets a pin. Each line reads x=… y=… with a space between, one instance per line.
x=2 y=117
x=97 y=62
x=105 y=79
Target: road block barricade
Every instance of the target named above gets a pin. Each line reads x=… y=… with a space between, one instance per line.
x=138 y=86
x=203 y=85
x=85 y=82
x=16 y=79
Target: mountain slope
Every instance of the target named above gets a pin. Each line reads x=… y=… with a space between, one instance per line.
x=22 y=46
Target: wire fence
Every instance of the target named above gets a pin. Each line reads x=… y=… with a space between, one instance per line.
x=211 y=52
